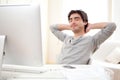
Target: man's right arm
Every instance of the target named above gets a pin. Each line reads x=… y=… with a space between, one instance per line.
x=63 y=27
x=57 y=29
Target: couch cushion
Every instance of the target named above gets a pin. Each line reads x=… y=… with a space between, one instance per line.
x=114 y=56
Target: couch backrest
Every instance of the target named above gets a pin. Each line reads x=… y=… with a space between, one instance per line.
x=105 y=49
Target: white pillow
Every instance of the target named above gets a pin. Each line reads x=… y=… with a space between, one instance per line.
x=114 y=56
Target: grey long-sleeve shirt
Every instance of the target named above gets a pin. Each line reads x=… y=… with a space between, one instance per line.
x=78 y=51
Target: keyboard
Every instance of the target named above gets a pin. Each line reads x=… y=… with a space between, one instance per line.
x=11 y=72
x=24 y=69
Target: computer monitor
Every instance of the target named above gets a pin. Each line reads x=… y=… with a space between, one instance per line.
x=22 y=28
x=2 y=40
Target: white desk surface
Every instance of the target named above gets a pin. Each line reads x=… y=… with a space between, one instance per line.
x=58 y=72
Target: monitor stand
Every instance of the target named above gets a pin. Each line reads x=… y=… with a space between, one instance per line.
x=2 y=41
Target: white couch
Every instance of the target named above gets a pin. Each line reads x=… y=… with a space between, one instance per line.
x=98 y=58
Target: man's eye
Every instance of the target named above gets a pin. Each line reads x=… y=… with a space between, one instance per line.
x=76 y=19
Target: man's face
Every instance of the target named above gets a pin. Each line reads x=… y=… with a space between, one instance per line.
x=76 y=22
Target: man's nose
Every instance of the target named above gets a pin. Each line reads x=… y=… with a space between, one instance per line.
x=73 y=21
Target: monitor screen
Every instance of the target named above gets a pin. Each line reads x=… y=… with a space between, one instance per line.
x=22 y=27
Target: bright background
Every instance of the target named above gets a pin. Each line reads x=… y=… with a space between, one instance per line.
x=56 y=11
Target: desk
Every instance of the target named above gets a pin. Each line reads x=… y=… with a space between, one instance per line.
x=114 y=67
x=58 y=72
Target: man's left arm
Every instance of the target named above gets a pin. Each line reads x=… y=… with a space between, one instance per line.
x=100 y=25
x=106 y=31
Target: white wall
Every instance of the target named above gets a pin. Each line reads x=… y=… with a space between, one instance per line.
x=116 y=18
x=54 y=16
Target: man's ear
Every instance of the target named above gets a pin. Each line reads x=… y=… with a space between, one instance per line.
x=85 y=28
x=85 y=23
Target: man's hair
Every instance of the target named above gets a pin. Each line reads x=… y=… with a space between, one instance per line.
x=82 y=14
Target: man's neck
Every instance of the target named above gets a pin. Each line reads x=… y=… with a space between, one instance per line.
x=76 y=35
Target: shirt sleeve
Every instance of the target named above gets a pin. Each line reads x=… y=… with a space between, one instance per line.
x=59 y=34
x=103 y=34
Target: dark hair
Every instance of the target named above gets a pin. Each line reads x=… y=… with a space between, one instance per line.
x=82 y=14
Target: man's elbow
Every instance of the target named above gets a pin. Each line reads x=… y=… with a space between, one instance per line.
x=113 y=26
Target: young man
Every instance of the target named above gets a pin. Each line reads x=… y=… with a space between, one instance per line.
x=78 y=48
